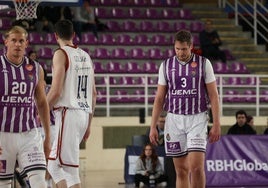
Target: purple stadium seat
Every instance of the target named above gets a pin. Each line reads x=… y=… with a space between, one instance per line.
x=106 y=3
x=107 y=39
x=231 y=96
x=129 y=26
x=169 y=14
x=50 y=38
x=126 y=80
x=159 y=39
x=101 y=96
x=196 y=26
x=249 y=96
x=147 y=26
x=114 y=67
x=142 y=39
x=264 y=96
x=101 y=53
x=113 y=81
x=196 y=40
x=102 y=13
x=36 y=38
x=150 y=67
x=155 y=53
x=151 y=96
x=88 y=38
x=140 y=81
x=136 y=13
x=114 y=25
x=172 y=3
x=152 y=13
x=5 y=23
x=220 y=68
x=239 y=68
x=8 y=13
x=45 y=53
x=251 y=81
x=152 y=80
x=137 y=53
x=234 y=81
x=139 y=96
x=179 y=25
x=120 y=96
x=76 y=40
x=133 y=67
x=119 y=53
x=185 y=14
x=164 y=26
x=169 y=52
x=157 y=3
x=124 y=39
x=101 y=81
x=99 y=68
x=119 y=13
x=140 y=3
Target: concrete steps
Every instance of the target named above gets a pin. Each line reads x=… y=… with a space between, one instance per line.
x=240 y=43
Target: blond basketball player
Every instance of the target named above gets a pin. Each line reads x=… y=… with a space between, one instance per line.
x=72 y=96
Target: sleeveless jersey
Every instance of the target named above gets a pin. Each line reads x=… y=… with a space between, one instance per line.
x=186 y=86
x=17 y=106
x=79 y=80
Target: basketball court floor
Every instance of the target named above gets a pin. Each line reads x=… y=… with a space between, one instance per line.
x=115 y=179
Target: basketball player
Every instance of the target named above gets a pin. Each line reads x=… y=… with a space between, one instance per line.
x=73 y=97
x=22 y=89
x=186 y=84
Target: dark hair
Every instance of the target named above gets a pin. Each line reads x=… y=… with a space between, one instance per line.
x=249 y=118
x=184 y=36
x=64 y=29
x=31 y=52
x=241 y=112
x=154 y=156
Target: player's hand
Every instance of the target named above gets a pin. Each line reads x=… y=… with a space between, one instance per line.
x=86 y=135
x=214 y=133
x=154 y=136
x=47 y=146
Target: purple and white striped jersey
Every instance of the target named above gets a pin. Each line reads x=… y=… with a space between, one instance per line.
x=18 y=83
x=186 y=86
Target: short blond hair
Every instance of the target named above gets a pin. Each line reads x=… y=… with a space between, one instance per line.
x=16 y=29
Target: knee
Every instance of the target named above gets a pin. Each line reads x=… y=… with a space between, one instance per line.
x=37 y=178
x=5 y=183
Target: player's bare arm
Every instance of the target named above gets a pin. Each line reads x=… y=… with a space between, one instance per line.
x=215 y=132
x=157 y=109
x=43 y=110
x=58 y=74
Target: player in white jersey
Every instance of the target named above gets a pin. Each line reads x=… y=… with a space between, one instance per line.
x=22 y=89
x=72 y=96
x=186 y=86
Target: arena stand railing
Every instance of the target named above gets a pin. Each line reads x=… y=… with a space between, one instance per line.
x=125 y=92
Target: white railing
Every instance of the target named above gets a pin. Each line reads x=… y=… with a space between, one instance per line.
x=250 y=92
x=256 y=13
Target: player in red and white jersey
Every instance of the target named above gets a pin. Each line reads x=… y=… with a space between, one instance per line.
x=186 y=87
x=72 y=96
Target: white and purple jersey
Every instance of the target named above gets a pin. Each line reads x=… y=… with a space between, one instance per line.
x=186 y=84
x=18 y=83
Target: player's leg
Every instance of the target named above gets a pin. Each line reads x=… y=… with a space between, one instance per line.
x=198 y=178
x=197 y=141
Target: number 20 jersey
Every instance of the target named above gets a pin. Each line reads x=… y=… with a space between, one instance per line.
x=79 y=80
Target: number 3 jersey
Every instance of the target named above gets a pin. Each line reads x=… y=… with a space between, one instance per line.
x=79 y=80
x=17 y=87
x=187 y=93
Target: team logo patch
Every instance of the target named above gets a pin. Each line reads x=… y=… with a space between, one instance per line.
x=193 y=64
x=193 y=73
x=30 y=76
x=173 y=147
x=3 y=166
x=29 y=67
x=168 y=137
